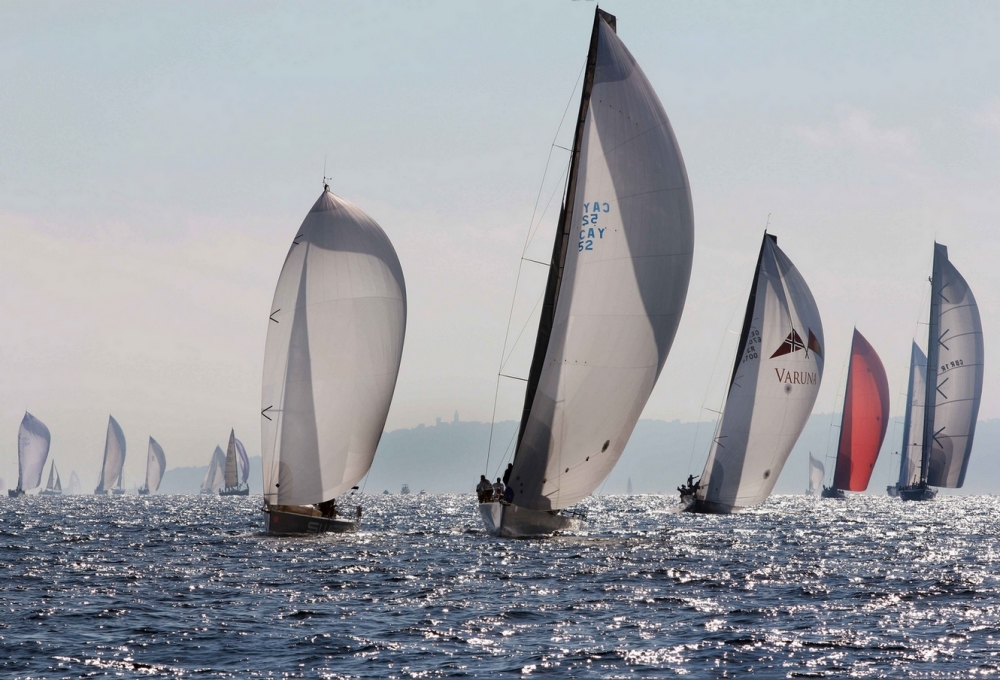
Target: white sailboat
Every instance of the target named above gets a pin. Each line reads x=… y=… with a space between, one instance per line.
x=54 y=486
x=334 y=345
x=114 y=460
x=33 y=440
x=233 y=485
x=618 y=279
x=775 y=380
x=156 y=463
x=816 y=474
x=215 y=476
x=944 y=389
x=74 y=483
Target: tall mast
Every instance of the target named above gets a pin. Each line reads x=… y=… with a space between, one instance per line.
x=563 y=230
x=933 y=344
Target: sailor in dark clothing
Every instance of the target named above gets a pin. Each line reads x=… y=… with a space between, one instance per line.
x=484 y=489
x=506 y=474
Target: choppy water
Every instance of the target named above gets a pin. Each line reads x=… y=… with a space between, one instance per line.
x=187 y=586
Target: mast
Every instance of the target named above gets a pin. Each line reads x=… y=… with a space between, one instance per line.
x=933 y=345
x=563 y=230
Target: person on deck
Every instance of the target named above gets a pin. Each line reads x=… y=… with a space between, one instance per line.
x=506 y=474
x=484 y=489
x=498 y=490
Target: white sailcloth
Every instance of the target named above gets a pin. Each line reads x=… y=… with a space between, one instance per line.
x=114 y=457
x=773 y=388
x=334 y=344
x=33 y=440
x=156 y=463
x=622 y=290
x=244 y=461
x=215 y=475
x=958 y=370
x=232 y=478
x=816 y=474
x=74 y=483
x=54 y=483
x=913 y=421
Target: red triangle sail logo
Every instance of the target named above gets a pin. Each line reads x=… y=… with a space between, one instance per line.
x=792 y=343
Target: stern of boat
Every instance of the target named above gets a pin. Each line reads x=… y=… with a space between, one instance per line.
x=512 y=521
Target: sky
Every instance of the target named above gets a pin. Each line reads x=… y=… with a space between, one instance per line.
x=157 y=158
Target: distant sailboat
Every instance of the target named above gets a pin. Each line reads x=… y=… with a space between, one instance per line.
x=775 y=380
x=816 y=474
x=334 y=345
x=156 y=463
x=54 y=485
x=234 y=486
x=628 y=487
x=864 y=421
x=617 y=283
x=114 y=460
x=74 y=483
x=33 y=440
x=942 y=401
x=215 y=476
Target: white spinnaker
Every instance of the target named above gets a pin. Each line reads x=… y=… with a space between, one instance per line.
x=215 y=475
x=241 y=451
x=773 y=389
x=959 y=379
x=334 y=344
x=623 y=289
x=816 y=473
x=33 y=440
x=913 y=422
x=114 y=456
x=156 y=463
x=232 y=473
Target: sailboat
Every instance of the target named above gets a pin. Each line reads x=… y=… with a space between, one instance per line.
x=612 y=301
x=234 y=486
x=33 y=441
x=214 y=477
x=864 y=420
x=156 y=463
x=628 y=487
x=54 y=485
x=816 y=474
x=74 y=483
x=334 y=345
x=775 y=380
x=114 y=460
x=945 y=388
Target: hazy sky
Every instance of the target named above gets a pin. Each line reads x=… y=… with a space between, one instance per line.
x=157 y=158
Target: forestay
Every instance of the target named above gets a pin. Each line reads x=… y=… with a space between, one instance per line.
x=774 y=385
x=114 y=457
x=334 y=344
x=156 y=463
x=33 y=440
x=913 y=420
x=628 y=250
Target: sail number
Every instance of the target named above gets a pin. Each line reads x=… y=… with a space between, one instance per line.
x=951 y=364
x=750 y=353
x=589 y=231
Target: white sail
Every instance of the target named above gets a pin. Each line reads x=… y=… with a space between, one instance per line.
x=334 y=344
x=33 y=440
x=913 y=421
x=232 y=477
x=773 y=387
x=955 y=360
x=244 y=461
x=114 y=458
x=628 y=246
x=74 y=483
x=816 y=473
x=156 y=463
x=54 y=483
x=215 y=476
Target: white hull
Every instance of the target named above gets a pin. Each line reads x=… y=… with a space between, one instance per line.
x=512 y=521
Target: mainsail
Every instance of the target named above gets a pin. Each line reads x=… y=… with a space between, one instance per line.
x=33 y=440
x=244 y=461
x=775 y=380
x=913 y=420
x=614 y=298
x=334 y=344
x=114 y=458
x=232 y=478
x=816 y=474
x=215 y=475
x=156 y=463
x=865 y=418
x=954 y=376
x=54 y=483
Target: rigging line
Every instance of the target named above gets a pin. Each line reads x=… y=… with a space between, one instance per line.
x=548 y=204
x=505 y=452
x=518 y=339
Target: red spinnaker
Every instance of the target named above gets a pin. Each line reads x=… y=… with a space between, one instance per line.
x=866 y=416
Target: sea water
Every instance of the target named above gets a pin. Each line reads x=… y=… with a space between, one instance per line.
x=188 y=586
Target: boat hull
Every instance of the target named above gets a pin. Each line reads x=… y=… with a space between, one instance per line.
x=117 y=492
x=15 y=493
x=512 y=521
x=892 y=490
x=245 y=491
x=919 y=492
x=707 y=507
x=143 y=492
x=283 y=523
x=836 y=494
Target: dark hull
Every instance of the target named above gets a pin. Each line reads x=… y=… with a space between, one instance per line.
x=892 y=490
x=143 y=492
x=836 y=494
x=919 y=492
x=707 y=507
x=100 y=492
x=117 y=492
x=14 y=493
x=245 y=491
x=279 y=522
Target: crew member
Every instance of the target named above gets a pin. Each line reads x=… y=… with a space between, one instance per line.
x=484 y=489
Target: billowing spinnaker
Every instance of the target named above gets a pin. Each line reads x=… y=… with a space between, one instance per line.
x=215 y=475
x=866 y=416
x=232 y=473
x=913 y=421
x=774 y=386
x=114 y=456
x=33 y=441
x=958 y=370
x=622 y=290
x=334 y=343
x=156 y=463
x=816 y=474
x=244 y=461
